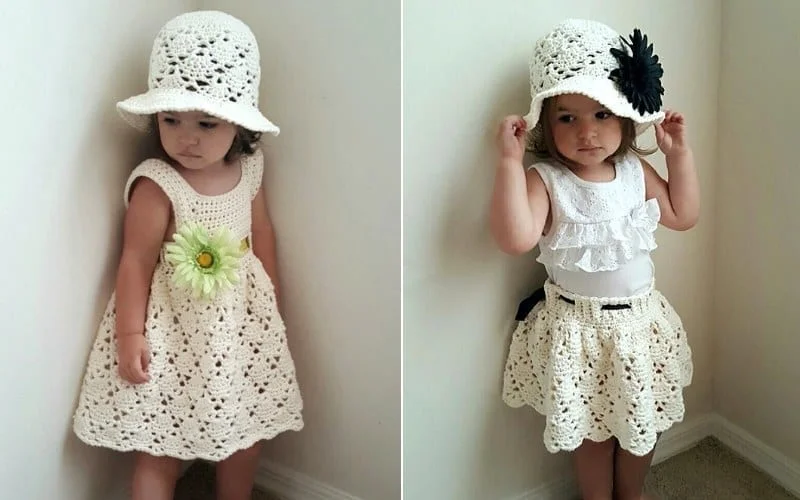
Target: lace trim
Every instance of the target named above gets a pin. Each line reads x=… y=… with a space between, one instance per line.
x=604 y=246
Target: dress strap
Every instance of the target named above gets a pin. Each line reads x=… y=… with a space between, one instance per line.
x=168 y=179
x=253 y=171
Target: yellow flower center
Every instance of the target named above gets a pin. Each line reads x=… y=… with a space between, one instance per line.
x=204 y=260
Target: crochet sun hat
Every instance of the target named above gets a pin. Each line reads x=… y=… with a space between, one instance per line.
x=202 y=61
x=589 y=58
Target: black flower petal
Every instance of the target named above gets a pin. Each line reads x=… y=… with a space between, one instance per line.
x=639 y=74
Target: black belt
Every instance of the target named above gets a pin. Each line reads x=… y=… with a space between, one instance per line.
x=538 y=295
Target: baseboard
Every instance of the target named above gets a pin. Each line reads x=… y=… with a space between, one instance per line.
x=683 y=436
x=292 y=485
x=775 y=464
x=678 y=439
x=557 y=489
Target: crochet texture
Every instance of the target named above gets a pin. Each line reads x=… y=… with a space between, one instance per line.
x=222 y=376
x=597 y=373
x=203 y=61
x=575 y=57
x=224 y=63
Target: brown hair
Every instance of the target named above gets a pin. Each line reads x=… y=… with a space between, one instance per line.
x=543 y=146
x=244 y=143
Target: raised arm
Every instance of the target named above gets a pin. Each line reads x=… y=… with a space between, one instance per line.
x=679 y=197
x=520 y=204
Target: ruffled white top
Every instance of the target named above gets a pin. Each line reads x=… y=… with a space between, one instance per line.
x=602 y=233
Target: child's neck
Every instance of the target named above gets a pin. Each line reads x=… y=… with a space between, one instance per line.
x=604 y=171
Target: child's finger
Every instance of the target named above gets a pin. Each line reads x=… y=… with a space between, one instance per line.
x=144 y=365
x=138 y=374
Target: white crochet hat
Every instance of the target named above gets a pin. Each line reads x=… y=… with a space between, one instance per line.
x=202 y=61
x=589 y=58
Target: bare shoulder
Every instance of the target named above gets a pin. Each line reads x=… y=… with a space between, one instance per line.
x=260 y=213
x=148 y=214
x=145 y=190
x=653 y=182
x=539 y=200
x=535 y=182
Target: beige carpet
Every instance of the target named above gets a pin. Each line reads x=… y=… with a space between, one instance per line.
x=710 y=471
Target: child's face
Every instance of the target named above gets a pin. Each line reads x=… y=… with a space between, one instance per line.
x=584 y=131
x=195 y=139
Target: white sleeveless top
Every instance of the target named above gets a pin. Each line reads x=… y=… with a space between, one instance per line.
x=601 y=234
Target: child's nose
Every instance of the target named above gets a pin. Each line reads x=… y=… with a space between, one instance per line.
x=188 y=138
x=586 y=130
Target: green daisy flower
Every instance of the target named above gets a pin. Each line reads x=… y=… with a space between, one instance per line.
x=204 y=264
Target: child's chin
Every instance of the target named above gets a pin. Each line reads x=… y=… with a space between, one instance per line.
x=597 y=155
x=190 y=162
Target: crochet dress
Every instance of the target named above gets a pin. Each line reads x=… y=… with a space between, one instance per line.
x=599 y=367
x=221 y=375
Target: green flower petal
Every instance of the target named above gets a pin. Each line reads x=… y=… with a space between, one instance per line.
x=190 y=241
x=229 y=261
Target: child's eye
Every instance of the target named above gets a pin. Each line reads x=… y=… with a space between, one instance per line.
x=207 y=125
x=169 y=120
x=565 y=118
x=603 y=115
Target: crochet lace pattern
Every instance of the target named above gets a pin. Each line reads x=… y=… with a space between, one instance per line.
x=202 y=61
x=222 y=376
x=575 y=58
x=224 y=63
x=573 y=48
x=597 y=226
x=596 y=373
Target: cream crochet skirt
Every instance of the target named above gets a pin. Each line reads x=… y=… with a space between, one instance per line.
x=222 y=376
x=596 y=372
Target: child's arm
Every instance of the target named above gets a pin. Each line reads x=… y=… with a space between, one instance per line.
x=520 y=204
x=146 y=222
x=264 y=240
x=678 y=199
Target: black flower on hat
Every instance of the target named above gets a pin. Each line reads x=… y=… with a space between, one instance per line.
x=639 y=74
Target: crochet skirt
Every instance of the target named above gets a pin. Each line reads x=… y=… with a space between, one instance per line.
x=598 y=368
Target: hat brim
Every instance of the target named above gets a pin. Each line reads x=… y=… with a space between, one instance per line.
x=136 y=110
x=602 y=90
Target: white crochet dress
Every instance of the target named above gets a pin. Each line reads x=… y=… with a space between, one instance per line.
x=599 y=367
x=221 y=375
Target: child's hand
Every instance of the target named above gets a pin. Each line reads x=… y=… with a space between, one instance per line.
x=511 y=138
x=133 y=358
x=671 y=134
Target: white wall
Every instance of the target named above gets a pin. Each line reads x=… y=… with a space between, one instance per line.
x=65 y=159
x=465 y=67
x=331 y=81
x=756 y=311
